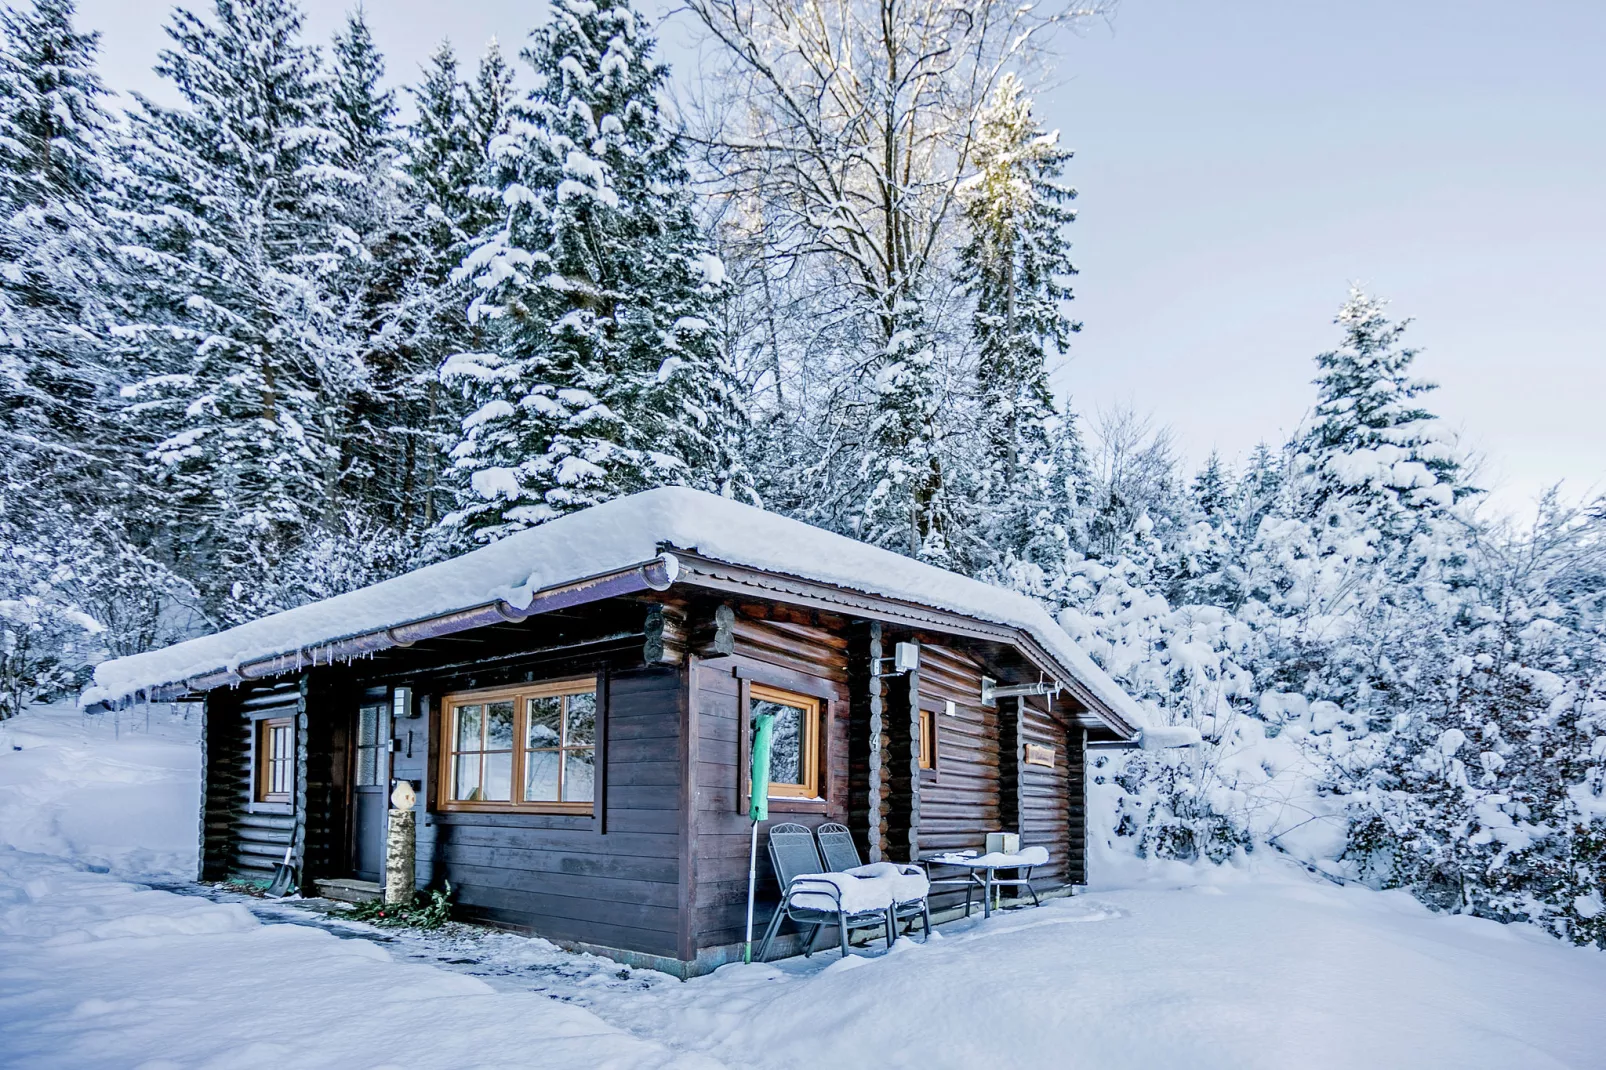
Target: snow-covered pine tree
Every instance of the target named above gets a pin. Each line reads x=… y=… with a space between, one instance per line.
x=488 y=105
x=73 y=582
x=1364 y=533
x=59 y=269
x=1205 y=564
x=1488 y=799
x=442 y=165
x=437 y=153
x=1017 y=268
x=382 y=448
x=600 y=372
x=239 y=345
x=1372 y=444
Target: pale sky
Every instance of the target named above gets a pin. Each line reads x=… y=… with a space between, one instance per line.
x=1240 y=163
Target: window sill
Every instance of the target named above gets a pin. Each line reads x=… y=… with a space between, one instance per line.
x=788 y=804
x=564 y=809
x=270 y=808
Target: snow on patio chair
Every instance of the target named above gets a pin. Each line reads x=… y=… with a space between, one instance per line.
x=911 y=887
x=814 y=898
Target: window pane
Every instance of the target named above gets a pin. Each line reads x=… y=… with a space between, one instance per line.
x=786 y=746
x=577 y=775
x=582 y=721
x=466 y=782
x=367 y=766
x=545 y=716
x=541 y=776
x=499 y=726
x=367 y=726
x=468 y=728
x=499 y=777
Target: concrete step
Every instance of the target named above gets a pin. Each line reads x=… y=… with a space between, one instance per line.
x=348 y=890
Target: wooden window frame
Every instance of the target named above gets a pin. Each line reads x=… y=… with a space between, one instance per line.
x=928 y=740
x=810 y=747
x=445 y=772
x=264 y=730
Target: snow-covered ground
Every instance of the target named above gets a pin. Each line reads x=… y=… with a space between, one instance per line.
x=1269 y=968
x=117 y=791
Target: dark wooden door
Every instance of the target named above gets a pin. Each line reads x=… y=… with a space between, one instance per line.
x=370 y=788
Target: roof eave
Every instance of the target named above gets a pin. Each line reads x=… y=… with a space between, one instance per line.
x=698 y=570
x=656 y=574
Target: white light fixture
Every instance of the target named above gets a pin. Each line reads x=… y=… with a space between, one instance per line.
x=905 y=658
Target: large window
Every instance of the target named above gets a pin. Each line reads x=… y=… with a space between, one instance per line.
x=795 y=742
x=275 y=747
x=527 y=748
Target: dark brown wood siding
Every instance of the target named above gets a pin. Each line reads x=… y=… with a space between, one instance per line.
x=781 y=653
x=562 y=876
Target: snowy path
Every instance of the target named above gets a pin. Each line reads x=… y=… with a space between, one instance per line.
x=97 y=972
x=1272 y=970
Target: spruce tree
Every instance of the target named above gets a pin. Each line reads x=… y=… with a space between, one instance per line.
x=377 y=448
x=59 y=266
x=1372 y=441
x=240 y=350
x=600 y=371
x=1016 y=265
x=438 y=159
x=487 y=110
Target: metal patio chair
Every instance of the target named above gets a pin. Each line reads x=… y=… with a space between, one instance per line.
x=797 y=867
x=842 y=854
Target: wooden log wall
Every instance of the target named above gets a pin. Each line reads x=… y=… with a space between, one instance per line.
x=960 y=804
x=242 y=840
x=221 y=768
x=1076 y=791
x=785 y=652
x=1045 y=793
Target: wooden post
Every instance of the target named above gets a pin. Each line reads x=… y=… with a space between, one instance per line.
x=913 y=763
x=866 y=737
x=903 y=768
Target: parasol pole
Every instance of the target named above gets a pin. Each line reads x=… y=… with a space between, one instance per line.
x=759 y=810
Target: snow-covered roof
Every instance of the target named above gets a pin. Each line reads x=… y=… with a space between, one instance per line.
x=618 y=535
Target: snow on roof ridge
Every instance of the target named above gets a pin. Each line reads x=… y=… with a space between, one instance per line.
x=616 y=535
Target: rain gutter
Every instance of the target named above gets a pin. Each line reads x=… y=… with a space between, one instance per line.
x=659 y=574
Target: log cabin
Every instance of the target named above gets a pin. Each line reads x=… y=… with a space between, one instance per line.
x=572 y=704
